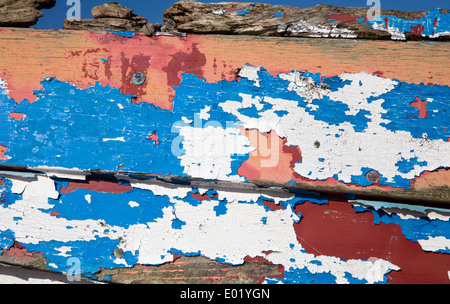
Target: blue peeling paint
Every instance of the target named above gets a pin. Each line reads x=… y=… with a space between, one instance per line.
x=433 y=23
x=302 y=276
x=177 y=224
x=6 y=239
x=67 y=126
x=89 y=261
x=243 y=11
x=175 y=251
x=407 y=165
x=7 y=198
x=74 y=206
x=221 y=208
x=362 y=179
x=278 y=15
x=413 y=229
x=123 y=33
x=352 y=280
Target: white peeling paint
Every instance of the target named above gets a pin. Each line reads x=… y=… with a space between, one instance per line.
x=133 y=204
x=218 y=12
x=186 y=120
x=208 y=151
x=343 y=151
x=60 y=172
x=64 y=250
x=395 y=33
x=121 y=138
x=18 y=186
x=303 y=28
x=3 y=89
x=435 y=243
x=37 y=226
x=229 y=237
x=250 y=72
x=171 y=191
x=204 y=113
x=304 y=86
x=88 y=198
x=12 y=279
x=432 y=213
x=440 y=34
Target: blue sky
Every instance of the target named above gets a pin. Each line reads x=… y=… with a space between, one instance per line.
x=153 y=10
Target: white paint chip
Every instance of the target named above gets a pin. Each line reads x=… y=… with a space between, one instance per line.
x=121 y=138
x=133 y=204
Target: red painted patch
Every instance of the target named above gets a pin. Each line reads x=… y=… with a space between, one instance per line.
x=54 y=213
x=386 y=22
x=285 y=157
x=190 y=61
x=202 y=197
x=272 y=206
x=260 y=259
x=98 y=186
x=3 y=156
x=154 y=137
x=16 y=116
x=272 y=160
x=18 y=253
x=378 y=73
x=435 y=24
x=337 y=230
x=421 y=105
x=137 y=63
x=417 y=30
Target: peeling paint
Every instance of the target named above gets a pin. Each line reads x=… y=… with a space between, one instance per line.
x=434 y=25
x=342 y=110
x=202 y=231
x=213 y=129
x=304 y=29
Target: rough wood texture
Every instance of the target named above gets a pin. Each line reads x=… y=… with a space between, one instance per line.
x=22 y=13
x=194 y=270
x=141 y=232
x=77 y=59
x=93 y=180
x=319 y=21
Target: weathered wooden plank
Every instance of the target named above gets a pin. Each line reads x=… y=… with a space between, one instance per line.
x=128 y=182
x=318 y=21
x=387 y=137
x=135 y=231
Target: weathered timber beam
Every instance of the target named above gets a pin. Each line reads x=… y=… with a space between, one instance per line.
x=239 y=18
x=433 y=197
x=333 y=115
x=137 y=231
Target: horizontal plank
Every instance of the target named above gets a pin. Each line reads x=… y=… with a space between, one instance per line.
x=320 y=21
x=130 y=230
x=366 y=117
